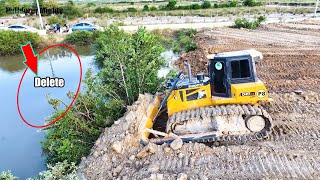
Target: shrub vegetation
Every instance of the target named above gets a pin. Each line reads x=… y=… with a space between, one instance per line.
x=103 y=10
x=251 y=3
x=245 y=23
x=71 y=11
x=10 y=41
x=82 y=38
x=56 y=20
x=206 y=5
x=185 y=41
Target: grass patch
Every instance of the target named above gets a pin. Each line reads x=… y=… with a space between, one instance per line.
x=184 y=41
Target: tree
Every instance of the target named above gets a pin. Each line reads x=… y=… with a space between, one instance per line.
x=70 y=10
x=205 y=5
x=41 y=3
x=251 y=3
x=145 y=8
x=171 y=4
x=50 y=4
x=2 y=8
x=12 y=3
x=7 y=175
x=130 y=62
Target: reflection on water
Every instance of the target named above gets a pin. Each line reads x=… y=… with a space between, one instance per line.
x=10 y=63
x=13 y=63
x=20 y=149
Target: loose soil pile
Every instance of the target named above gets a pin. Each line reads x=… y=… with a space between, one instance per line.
x=292 y=62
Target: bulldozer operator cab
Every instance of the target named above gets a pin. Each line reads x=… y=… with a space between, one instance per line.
x=231 y=68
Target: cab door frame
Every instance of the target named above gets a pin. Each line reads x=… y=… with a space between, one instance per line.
x=225 y=81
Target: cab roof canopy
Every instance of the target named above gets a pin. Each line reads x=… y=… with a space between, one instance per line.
x=256 y=55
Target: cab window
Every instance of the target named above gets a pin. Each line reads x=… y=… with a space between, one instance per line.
x=240 y=69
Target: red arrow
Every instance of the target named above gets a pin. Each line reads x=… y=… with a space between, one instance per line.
x=31 y=59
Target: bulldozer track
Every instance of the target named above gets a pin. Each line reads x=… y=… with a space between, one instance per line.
x=244 y=110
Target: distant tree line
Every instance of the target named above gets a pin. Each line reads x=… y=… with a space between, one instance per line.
x=172 y=5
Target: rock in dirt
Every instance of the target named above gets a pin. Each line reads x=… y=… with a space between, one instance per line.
x=182 y=176
x=149 y=149
x=131 y=158
x=167 y=149
x=117 y=147
x=153 y=168
x=156 y=177
x=298 y=92
x=176 y=144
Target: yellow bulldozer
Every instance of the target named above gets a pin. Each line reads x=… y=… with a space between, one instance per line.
x=224 y=107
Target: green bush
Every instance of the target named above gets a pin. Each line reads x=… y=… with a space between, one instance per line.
x=171 y=4
x=245 y=23
x=153 y=8
x=61 y=170
x=206 y=5
x=91 y=4
x=6 y=175
x=10 y=41
x=195 y=6
x=251 y=3
x=82 y=38
x=131 y=9
x=133 y=60
x=50 y=4
x=185 y=41
x=103 y=10
x=70 y=10
x=73 y=136
x=56 y=20
x=145 y=8
x=233 y=3
x=2 y=8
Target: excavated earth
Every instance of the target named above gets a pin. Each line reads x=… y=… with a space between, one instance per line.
x=291 y=71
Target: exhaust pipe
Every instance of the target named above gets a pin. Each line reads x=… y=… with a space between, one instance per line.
x=189 y=70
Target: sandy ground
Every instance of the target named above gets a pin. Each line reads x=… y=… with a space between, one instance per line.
x=292 y=61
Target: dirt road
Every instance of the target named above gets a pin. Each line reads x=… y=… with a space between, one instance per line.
x=177 y=22
x=292 y=61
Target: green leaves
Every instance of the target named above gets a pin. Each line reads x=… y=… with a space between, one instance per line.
x=73 y=136
x=7 y=175
x=82 y=38
x=129 y=63
x=245 y=23
x=185 y=41
x=10 y=41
